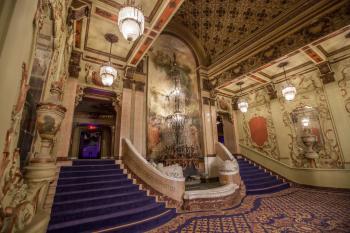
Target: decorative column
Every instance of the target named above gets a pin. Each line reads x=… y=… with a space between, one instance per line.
x=112 y=141
x=125 y=121
x=42 y=168
x=139 y=118
x=117 y=127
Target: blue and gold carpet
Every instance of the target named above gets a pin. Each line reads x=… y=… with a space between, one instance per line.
x=291 y=210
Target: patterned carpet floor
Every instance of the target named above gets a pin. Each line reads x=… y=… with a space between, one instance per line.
x=291 y=210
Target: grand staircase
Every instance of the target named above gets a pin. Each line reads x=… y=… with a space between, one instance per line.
x=258 y=181
x=95 y=196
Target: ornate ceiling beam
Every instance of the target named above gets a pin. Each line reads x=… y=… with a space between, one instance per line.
x=156 y=27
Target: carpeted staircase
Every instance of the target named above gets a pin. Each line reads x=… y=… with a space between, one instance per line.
x=257 y=181
x=93 y=195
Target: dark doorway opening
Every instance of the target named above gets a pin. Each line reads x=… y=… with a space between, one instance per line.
x=90 y=143
x=220 y=129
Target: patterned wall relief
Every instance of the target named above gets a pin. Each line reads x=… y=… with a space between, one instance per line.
x=224 y=106
x=258 y=127
x=344 y=83
x=160 y=105
x=311 y=95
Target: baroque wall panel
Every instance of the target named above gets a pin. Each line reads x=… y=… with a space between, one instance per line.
x=311 y=94
x=259 y=130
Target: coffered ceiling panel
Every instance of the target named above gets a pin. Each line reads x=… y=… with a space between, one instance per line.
x=90 y=32
x=222 y=24
x=297 y=61
x=233 y=88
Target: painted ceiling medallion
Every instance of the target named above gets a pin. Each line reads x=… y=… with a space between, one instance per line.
x=289 y=91
x=131 y=21
x=108 y=73
x=242 y=103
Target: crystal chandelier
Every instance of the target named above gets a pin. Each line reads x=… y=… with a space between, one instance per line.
x=288 y=90
x=107 y=72
x=131 y=21
x=242 y=103
x=177 y=120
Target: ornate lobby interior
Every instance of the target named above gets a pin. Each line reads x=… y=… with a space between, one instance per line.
x=174 y=116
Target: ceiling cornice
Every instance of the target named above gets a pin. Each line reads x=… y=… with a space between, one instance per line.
x=295 y=24
x=304 y=13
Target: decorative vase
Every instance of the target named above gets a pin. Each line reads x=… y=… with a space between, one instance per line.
x=309 y=141
x=49 y=119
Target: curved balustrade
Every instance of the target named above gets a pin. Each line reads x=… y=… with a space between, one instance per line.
x=171 y=188
x=223 y=152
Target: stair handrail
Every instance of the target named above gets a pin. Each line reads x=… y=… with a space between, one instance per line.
x=170 y=187
x=223 y=152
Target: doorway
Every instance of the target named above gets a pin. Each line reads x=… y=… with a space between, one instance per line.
x=220 y=129
x=93 y=133
x=90 y=144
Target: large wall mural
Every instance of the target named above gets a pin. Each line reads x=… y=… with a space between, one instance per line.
x=160 y=103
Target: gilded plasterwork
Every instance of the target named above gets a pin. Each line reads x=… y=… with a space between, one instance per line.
x=220 y=24
x=260 y=107
x=311 y=93
x=344 y=84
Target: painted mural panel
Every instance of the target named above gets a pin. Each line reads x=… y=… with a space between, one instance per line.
x=160 y=102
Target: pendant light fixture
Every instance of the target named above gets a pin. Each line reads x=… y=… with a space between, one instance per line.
x=288 y=90
x=131 y=21
x=242 y=102
x=107 y=72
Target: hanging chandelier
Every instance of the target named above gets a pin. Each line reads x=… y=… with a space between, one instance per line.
x=288 y=91
x=178 y=119
x=242 y=103
x=131 y=21
x=107 y=72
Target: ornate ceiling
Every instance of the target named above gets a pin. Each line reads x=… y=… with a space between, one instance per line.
x=222 y=24
x=103 y=15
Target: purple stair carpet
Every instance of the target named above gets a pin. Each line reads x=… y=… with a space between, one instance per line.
x=257 y=181
x=95 y=195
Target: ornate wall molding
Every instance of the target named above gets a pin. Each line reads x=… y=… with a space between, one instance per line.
x=311 y=93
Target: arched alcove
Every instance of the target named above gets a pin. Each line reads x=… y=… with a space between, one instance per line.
x=160 y=105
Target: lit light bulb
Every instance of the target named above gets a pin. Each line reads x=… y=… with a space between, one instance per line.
x=108 y=74
x=243 y=105
x=131 y=22
x=305 y=121
x=289 y=92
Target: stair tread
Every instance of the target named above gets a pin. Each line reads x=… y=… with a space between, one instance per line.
x=84 y=177
x=103 y=217
x=89 y=171
x=96 y=198
x=93 y=182
x=116 y=204
x=91 y=190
